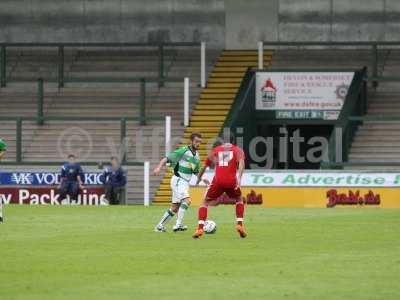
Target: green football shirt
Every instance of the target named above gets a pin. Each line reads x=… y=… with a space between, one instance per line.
x=185 y=162
x=3 y=145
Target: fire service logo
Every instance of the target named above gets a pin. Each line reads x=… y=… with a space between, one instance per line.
x=268 y=93
x=352 y=198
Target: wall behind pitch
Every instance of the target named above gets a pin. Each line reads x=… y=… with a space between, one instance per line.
x=250 y=21
x=234 y=24
x=112 y=21
x=332 y=20
x=311 y=20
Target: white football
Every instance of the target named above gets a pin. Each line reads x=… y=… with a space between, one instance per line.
x=210 y=227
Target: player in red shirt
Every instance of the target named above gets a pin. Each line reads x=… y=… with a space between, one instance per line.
x=228 y=160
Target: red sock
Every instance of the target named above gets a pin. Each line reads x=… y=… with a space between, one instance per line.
x=239 y=212
x=202 y=216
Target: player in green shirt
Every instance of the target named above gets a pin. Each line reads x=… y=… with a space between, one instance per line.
x=185 y=161
x=3 y=149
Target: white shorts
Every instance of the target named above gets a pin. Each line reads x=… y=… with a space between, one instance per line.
x=180 y=189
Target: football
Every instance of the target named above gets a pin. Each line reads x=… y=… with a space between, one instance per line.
x=210 y=227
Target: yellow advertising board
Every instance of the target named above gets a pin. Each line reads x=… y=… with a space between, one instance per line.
x=313 y=188
x=385 y=197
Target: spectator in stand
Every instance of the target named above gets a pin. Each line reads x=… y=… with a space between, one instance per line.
x=114 y=180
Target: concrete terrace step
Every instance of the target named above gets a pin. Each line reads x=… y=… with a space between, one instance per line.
x=372 y=150
x=375 y=156
x=375 y=143
x=224 y=80
x=381 y=126
x=373 y=168
x=205 y=112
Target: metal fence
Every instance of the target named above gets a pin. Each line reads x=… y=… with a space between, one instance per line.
x=373 y=47
x=62 y=79
x=19 y=132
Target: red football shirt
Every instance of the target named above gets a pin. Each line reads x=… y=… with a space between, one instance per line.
x=225 y=158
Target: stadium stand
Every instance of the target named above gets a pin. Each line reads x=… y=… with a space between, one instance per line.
x=104 y=99
x=80 y=98
x=215 y=101
x=374 y=141
x=214 y=104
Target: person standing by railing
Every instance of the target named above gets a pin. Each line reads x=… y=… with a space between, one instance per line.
x=3 y=149
x=71 y=180
x=114 y=180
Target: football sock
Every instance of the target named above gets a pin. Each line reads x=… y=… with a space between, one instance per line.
x=1 y=212
x=202 y=216
x=181 y=213
x=239 y=212
x=167 y=215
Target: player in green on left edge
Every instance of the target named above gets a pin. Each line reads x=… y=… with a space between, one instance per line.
x=3 y=149
x=185 y=162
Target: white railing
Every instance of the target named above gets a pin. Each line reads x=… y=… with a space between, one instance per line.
x=260 y=55
x=186 y=102
x=146 y=185
x=203 y=64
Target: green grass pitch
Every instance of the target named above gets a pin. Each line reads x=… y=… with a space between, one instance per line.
x=112 y=253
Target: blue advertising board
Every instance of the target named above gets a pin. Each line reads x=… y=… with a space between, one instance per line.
x=43 y=178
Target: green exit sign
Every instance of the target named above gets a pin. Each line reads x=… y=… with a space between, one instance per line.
x=307 y=114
